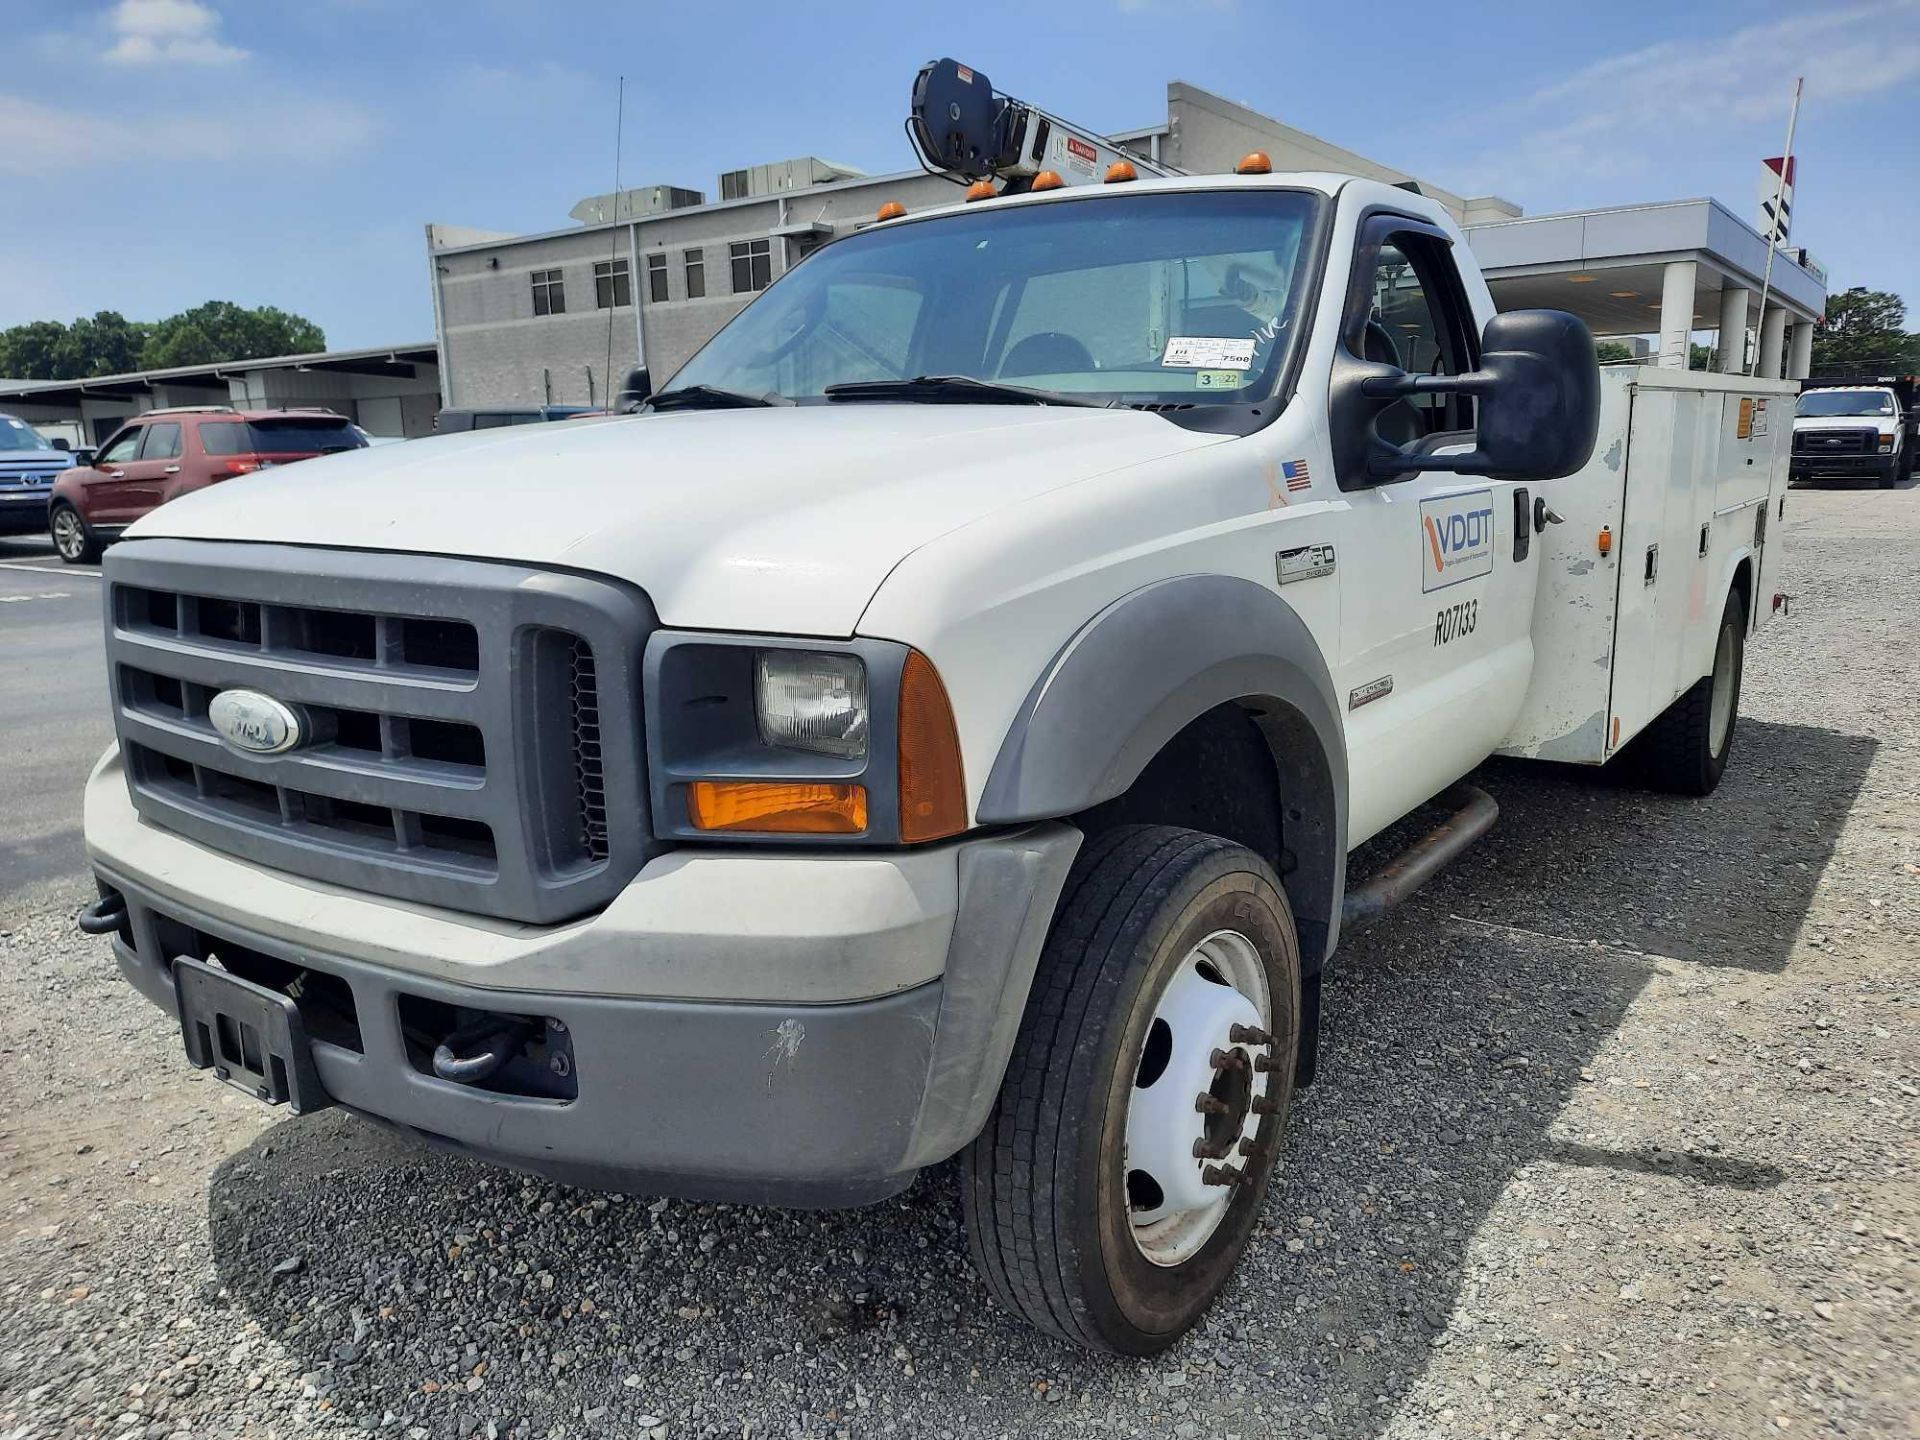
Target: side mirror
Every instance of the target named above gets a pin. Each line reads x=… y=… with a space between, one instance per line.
x=634 y=391
x=1538 y=394
x=62 y=444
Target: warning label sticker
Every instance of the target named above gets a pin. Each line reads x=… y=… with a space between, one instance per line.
x=1207 y=352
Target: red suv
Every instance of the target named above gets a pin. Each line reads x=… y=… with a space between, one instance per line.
x=164 y=453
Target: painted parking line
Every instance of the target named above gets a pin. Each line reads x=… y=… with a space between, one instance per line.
x=54 y=569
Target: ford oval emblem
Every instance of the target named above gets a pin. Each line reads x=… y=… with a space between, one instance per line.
x=255 y=723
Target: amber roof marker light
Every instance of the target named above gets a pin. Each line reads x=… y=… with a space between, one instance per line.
x=981 y=190
x=1254 y=162
x=892 y=210
x=1120 y=172
x=1048 y=180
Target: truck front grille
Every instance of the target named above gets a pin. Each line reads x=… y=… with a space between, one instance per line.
x=1836 y=442
x=470 y=730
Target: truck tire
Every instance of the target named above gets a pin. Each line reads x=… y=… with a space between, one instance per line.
x=73 y=539
x=1686 y=748
x=1117 y=1180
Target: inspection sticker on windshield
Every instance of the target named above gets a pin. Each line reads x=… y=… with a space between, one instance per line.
x=1207 y=352
x=1219 y=379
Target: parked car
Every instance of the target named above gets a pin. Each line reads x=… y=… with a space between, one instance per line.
x=163 y=454
x=449 y=422
x=29 y=464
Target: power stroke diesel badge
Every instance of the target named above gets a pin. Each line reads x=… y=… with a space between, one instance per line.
x=256 y=723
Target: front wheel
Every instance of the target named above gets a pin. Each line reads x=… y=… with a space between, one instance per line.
x=73 y=540
x=1115 y=1185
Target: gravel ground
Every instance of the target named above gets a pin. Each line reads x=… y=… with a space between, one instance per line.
x=1615 y=1135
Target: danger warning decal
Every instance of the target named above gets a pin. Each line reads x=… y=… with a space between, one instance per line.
x=1456 y=539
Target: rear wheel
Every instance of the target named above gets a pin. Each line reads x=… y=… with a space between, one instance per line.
x=1115 y=1185
x=73 y=540
x=1686 y=749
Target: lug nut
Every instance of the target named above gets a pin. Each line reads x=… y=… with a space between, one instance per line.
x=1203 y=1151
x=1253 y=1150
x=1222 y=1175
x=1209 y=1105
x=1265 y=1105
x=1266 y=1064
x=1227 y=1060
x=1249 y=1035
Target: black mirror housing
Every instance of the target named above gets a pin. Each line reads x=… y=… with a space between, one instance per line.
x=1538 y=396
x=634 y=391
x=60 y=443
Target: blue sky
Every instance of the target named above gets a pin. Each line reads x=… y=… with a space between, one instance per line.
x=157 y=153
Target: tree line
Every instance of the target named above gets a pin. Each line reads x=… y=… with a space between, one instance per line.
x=107 y=343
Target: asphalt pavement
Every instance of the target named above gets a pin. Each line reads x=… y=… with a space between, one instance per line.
x=53 y=715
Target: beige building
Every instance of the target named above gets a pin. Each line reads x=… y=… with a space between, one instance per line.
x=649 y=275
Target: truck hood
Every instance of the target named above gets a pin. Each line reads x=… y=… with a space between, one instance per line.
x=783 y=519
x=1882 y=423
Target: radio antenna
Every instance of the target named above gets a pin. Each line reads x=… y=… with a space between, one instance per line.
x=613 y=255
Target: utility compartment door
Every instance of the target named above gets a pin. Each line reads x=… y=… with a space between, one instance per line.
x=1565 y=713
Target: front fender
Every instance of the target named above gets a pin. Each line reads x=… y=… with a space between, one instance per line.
x=1150 y=664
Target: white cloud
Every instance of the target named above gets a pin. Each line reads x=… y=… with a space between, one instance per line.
x=173 y=32
x=1624 y=114
x=42 y=140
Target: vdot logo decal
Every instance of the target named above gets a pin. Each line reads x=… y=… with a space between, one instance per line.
x=1456 y=538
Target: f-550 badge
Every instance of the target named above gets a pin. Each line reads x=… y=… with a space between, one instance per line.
x=1303 y=562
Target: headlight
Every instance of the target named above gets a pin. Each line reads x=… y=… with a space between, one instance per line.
x=813 y=701
x=1886 y=443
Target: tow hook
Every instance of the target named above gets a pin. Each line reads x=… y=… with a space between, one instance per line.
x=105 y=915
x=469 y=1056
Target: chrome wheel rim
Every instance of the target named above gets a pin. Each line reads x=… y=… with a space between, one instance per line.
x=1191 y=1116
x=68 y=538
x=1720 y=713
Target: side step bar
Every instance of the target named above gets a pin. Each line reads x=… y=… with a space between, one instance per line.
x=1474 y=812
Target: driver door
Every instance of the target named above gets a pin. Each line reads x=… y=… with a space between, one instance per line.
x=115 y=480
x=1437 y=599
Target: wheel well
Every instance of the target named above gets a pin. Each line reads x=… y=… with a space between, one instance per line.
x=1252 y=771
x=1743 y=585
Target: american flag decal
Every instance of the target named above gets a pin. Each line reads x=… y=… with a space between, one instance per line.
x=1295 y=474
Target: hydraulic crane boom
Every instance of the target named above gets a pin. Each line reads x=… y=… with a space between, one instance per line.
x=965 y=129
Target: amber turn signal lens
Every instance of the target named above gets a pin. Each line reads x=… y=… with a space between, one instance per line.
x=933 y=786
x=777 y=807
x=1605 y=540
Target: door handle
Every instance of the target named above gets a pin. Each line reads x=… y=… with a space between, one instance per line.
x=1544 y=515
x=116 y=474
x=171 y=470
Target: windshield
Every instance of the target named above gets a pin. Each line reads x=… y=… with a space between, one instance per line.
x=1845 y=402
x=1185 y=297
x=18 y=435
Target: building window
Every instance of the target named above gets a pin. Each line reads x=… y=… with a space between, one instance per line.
x=656 y=278
x=696 y=274
x=549 y=294
x=752 y=265
x=733 y=185
x=612 y=284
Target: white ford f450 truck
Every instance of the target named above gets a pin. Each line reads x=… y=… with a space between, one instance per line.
x=937 y=726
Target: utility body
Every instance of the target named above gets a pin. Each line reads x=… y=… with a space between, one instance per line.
x=937 y=724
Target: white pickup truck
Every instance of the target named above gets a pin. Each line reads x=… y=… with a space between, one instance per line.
x=937 y=726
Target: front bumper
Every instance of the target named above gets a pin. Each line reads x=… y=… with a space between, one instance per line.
x=1841 y=467
x=747 y=1026
x=23 y=514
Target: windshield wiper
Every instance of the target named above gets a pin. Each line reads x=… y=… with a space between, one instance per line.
x=955 y=390
x=712 y=397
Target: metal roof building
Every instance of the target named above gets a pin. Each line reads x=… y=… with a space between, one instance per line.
x=388 y=390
